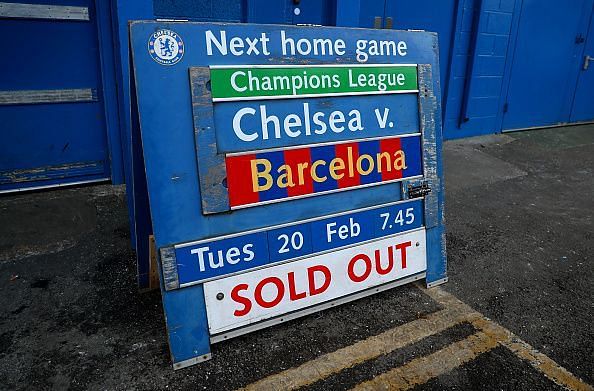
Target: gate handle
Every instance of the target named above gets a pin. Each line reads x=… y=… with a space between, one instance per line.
x=587 y=60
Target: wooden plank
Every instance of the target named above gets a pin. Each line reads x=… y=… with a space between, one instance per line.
x=169 y=265
x=153 y=268
x=211 y=170
x=28 y=97
x=430 y=121
x=43 y=11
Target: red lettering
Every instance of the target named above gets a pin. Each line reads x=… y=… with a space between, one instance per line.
x=351 y=268
x=247 y=304
x=378 y=262
x=402 y=247
x=312 y=282
x=293 y=295
x=280 y=292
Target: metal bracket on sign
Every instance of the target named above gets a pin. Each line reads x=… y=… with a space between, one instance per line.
x=418 y=191
x=415 y=188
x=169 y=267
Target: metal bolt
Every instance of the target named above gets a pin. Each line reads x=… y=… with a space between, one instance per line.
x=221 y=296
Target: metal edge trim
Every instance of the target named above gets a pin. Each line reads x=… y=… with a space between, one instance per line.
x=26 y=97
x=330 y=94
x=169 y=268
x=192 y=361
x=327 y=143
x=437 y=282
x=57 y=185
x=325 y=192
x=560 y=125
x=273 y=227
x=43 y=11
x=310 y=310
x=312 y=66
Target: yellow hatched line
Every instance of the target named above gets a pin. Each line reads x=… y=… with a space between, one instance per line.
x=520 y=348
x=423 y=369
x=370 y=348
x=420 y=370
x=541 y=362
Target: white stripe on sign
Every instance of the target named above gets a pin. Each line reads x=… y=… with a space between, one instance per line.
x=251 y=297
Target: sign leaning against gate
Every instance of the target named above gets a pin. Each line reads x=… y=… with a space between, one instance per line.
x=289 y=169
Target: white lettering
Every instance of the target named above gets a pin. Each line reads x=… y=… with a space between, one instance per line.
x=221 y=45
x=237 y=124
x=234 y=83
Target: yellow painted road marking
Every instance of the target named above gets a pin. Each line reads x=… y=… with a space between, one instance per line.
x=522 y=349
x=420 y=370
x=372 y=347
x=423 y=369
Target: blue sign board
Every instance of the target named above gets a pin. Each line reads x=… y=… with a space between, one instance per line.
x=217 y=257
x=401 y=110
x=330 y=185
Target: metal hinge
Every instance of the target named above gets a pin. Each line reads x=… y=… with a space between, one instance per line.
x=377 y=22
x=419 y=191
x=587 y=60
x=580 y=39
x=169 y=268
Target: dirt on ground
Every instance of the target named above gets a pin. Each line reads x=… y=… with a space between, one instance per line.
x=520 y=244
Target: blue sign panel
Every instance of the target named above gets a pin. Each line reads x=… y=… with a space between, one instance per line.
x=250 y=193
x=217 y=257
x=279 y=175
x=257 y=125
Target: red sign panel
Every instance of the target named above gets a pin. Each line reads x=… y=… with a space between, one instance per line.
x=271 y=176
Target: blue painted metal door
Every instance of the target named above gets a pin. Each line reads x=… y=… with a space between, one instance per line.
x=429 y=15
x=546 y=62
x=51 y=107
x=360 y=13
x=583 y=101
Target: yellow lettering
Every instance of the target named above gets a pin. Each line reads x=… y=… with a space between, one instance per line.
x=338 y=168
x=300 y=168
x=336 y=164
x=257 y=175
x=350 y=161
x=399 y=162
x=314 y=173
x=388 y=160
x=360 y=164
x=285 y=179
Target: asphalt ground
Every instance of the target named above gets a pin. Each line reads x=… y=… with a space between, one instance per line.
x=517 y=312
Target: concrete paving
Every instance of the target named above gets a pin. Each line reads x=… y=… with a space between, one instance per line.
x=520 y=222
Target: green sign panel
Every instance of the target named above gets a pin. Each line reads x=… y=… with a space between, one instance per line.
x=230 y=83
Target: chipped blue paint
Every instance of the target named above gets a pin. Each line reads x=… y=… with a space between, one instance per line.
x=171 y=126
x=430 y=119
x=428 y=105
x=212 y=172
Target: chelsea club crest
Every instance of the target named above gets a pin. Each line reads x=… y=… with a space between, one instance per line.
x=166 y=47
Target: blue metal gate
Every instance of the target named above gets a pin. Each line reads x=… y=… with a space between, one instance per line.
x=583 y=107
x=546 y=63
x=51 y=106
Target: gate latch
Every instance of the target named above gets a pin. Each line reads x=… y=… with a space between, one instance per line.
x=419 y=191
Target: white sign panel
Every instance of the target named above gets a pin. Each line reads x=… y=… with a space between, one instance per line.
x=261 y=294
